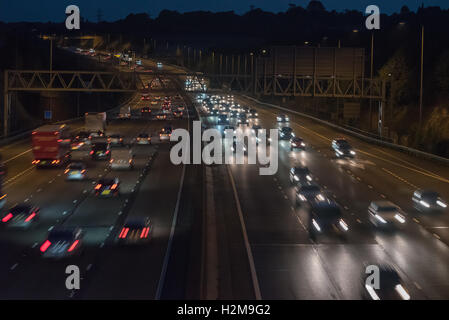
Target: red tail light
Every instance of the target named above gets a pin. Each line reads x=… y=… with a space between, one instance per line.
x=45 y=246
x=7 y=217
x=114 y=186
x=31 y=216
x=66 y=171
x=92 y=152
x=98 y=186
x=123 y=233
x=144 y=233
x=73 y=246
x=107 y=152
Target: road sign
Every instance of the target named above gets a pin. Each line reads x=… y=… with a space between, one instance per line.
x=48 y=114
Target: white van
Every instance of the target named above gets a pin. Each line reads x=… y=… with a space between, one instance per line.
x=122 y=158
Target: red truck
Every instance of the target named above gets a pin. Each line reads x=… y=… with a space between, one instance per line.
x=51 y=145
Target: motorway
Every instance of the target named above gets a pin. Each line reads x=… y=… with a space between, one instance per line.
x=225 y=231
x=290 y=264
x=155 y=188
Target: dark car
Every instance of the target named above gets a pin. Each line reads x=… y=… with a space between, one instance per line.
x=136 y=230
x=100 y=150
x=21 y=216
x=62 y=243
x=342 y=148
x=326 y=216
x=107 y=187
x=300 y=174
x=145 y=111
x=282 y=118
x=390 y=287
x=308 y=192
x=297 y=143
x=286 y=133
x=427 y=200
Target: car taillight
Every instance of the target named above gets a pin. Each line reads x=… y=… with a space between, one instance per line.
x=66 y=171
x=83 y=171
x=45 y=246
x=114 y=186
x=7 y=217
x=98 y=186
x=31 y=216
x=107 y=152
x=92 y=152
x=123 y=233
x=73 y=246
x=144 y=233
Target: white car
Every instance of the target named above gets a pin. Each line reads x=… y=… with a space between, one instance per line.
x=385 y=214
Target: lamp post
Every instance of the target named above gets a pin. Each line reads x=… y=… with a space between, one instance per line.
x=421 y=89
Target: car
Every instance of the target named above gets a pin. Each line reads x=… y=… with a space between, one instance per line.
x=144 y=111
x=253 y=113
x=385 y=214
x=308 y=192
x=62 y=242
x=325 y=216
x=427 y=200
x=100 y=150
x=214 y=112
x=242 y=119
x=145 y=97
x=300 y=174
x=135 y=230
x=165 y=133
x=391 y=286
x=107 y=187
x=233 y=114
x=297 y=143
x=21 y=216
x=143 y=138
x=115 y=140
x=286 y=133
x=282 y=118
x=75 y=171
x=80 y=139
x=342 y=148
x=161 y=116
x=223 y=119
x=177 y=114
x=159 y=65
x=154 y=102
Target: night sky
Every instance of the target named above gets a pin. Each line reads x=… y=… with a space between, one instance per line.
x=53 y=10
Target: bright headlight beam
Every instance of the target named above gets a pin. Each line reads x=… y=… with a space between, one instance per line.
x=425 y=204
x=400 y=218
x=316 y=225
x=404 y=294
x=441 y=204
x=380 y=218
x=343 y=225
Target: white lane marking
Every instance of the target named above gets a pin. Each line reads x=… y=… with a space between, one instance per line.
x=245 y=237
x=18 y=175
x=170 y=240
x=14 y=266
x=16 y=156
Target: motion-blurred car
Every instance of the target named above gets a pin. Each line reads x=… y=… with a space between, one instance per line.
x=136 y=230
x=282 y=118
x=161 y=116
x=62 y=243
x=177 y=114
x=390 y=287
x=242 y=119
x=223 y=119
x=300 y=174
x=385 y=214
x=253 y=113
x=115 y=140
x=286 y=133
x=165 y=133
x=75 y=171
x=326 y=216
x=233 y=114
x=297 y=143
x=342 y=148
x=427 y=200
x=143 y=138
x=22 y=216
x=308 y=192
x=107 y=187
x=145 y=111
x=100 y=150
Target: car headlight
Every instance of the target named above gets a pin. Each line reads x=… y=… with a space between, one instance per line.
x=296 y=178
x=343 y=224
x=316 y=225
x=301 y=197
x=399 y=217
x=441 y=204
x=352 y=152
x=309 y=178
x=339 y=152
x=320 y=197
x=380 y=218
x=293 y=134
x=424 y=203
x=287 y=119
x=401 y=291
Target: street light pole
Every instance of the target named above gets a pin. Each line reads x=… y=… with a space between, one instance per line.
x=371 y=85
x=422 y=77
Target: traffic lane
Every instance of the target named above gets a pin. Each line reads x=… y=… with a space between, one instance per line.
x=392 y=156
x=133 y=272
x=415 y=172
